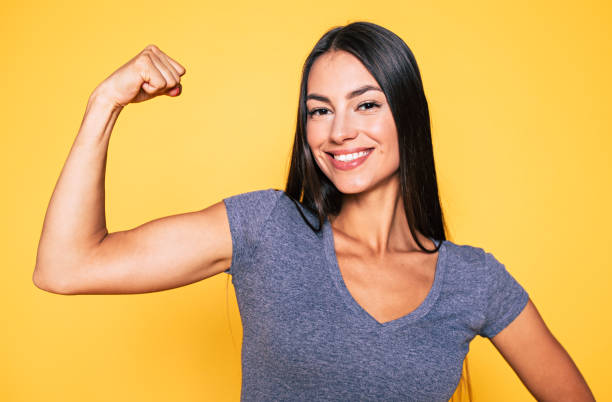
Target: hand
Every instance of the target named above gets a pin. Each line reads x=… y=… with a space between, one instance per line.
x=149 y=74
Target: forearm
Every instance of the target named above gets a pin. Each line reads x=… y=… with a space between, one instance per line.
x=561 y=381
x=75 y=221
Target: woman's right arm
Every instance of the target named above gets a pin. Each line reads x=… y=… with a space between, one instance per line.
x=76 y=254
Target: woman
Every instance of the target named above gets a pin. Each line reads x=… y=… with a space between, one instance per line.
x=346 y=284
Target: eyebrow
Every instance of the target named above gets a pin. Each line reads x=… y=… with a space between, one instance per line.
x=350 y=95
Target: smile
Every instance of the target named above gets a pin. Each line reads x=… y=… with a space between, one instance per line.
x=348 y=160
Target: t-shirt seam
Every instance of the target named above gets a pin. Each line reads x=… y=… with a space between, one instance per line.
x=485 y=295
x=503 y=322
x=497 y=327
x=231 y=221
x=263 y=225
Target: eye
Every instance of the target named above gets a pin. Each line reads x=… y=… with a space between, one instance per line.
x=368 y=105
x=318 y=112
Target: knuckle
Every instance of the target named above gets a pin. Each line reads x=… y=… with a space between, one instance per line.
x=142 y=61
x=151 y=47
x=161 y=83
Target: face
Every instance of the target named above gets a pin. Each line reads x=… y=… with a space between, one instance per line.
x=350 y=128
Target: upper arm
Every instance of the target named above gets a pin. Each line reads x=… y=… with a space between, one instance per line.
x=539 y=360
x=162 y=254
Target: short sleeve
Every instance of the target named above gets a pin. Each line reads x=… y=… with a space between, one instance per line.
x=505 y=297
x=247 y=214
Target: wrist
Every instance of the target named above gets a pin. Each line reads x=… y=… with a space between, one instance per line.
x=99 y=98
x=100 y=116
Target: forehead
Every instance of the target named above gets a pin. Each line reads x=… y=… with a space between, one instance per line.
x=338 y=71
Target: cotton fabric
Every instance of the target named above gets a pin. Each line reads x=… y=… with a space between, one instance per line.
x=306 y=338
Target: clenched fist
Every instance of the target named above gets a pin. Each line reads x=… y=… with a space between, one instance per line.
x=149 y=74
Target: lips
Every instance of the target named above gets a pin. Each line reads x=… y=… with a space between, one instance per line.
x=347 y=159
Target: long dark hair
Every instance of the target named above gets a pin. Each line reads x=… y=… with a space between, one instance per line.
x=393 y=66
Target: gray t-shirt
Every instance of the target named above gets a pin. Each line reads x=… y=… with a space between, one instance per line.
x=305 y=337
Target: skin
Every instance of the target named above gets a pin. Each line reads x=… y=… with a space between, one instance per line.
x=76 y=253
x=380 y=262
x=379 y=259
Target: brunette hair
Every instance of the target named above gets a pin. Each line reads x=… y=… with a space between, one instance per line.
x=393 y=66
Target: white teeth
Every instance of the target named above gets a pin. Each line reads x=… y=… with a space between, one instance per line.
x=350 y=157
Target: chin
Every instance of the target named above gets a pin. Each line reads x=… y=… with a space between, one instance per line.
x=351 y=187
x=365 y=183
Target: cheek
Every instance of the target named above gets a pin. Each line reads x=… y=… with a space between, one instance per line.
x=314 y=137
x=385 y=133
x=395 y=155
x=391 y=154
x=394 y=148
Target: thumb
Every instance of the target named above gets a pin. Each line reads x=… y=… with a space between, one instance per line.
x=175 y=91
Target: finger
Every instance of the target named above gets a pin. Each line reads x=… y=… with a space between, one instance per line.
x=164 y=60
x=153 y=79
x=168 y=76
x=178 y=67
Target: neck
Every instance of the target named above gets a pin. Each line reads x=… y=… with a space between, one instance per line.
x=377 y=219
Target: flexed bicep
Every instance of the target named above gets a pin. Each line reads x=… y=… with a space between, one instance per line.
x=162 y=254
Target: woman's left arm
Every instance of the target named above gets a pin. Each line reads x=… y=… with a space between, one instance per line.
x=539 y=360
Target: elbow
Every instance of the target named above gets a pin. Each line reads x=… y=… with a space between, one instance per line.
x=50 y=283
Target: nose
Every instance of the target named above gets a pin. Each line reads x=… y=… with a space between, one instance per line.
x=342 y=129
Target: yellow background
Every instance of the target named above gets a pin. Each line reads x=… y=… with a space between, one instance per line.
x=520 y=102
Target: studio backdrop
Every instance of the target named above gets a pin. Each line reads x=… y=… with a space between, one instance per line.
x=519 y=94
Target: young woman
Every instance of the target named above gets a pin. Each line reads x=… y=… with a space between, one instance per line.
x=346 y=284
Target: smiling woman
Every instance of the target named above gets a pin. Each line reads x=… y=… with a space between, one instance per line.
x=350 y=127
x=347 y=286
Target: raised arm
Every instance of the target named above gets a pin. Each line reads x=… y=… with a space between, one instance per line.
x=76 y=254
x=539 y=360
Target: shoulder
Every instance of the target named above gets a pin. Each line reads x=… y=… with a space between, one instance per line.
x=266 y=206
x=255 y=200
x=248 y=212
x=471 y=262
x=247 y=215
x=464 y=255
x=476 y=266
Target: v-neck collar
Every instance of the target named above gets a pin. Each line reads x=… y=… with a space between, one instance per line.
x=360 y=313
